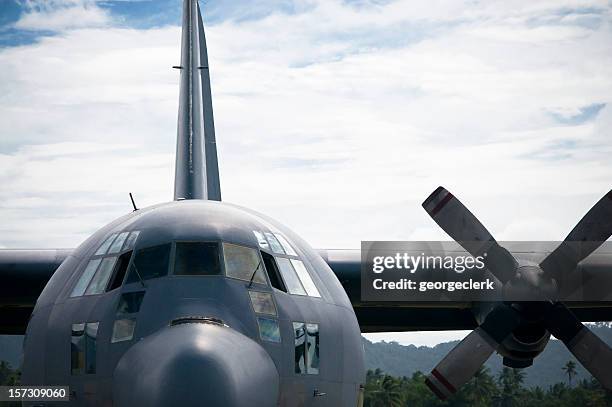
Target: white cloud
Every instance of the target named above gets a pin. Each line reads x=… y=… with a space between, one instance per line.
x=58 y=15
x=337 y=121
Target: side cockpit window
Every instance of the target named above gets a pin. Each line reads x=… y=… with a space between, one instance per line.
x=273 y=272
x=100 y=280
x=285 y=269
x=104 y=246
x=294 y=286
x=121 y=267
x=150 y=262
x=107 y=267
x=305 y=279
x=81 y=286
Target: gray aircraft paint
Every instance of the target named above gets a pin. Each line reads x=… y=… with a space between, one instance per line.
x=197 y=170
x=47 y=344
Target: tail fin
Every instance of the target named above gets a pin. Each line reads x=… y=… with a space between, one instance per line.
x=197 y=169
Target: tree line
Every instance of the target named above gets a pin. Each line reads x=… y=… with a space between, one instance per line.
x=484 y=390
x=504 y=390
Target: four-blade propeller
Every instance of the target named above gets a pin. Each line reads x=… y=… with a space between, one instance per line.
x=463 y=361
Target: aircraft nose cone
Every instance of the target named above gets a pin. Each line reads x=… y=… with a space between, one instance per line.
x=196 y=364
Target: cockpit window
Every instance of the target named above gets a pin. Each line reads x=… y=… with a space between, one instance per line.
x=285 y=269
x=286 y=245
x=118 y=243
x=150 y=262
x=274 y=243
x=261 y=240
x=243 y=263
x=104 y=246
x=121 y=267
x=273 y=272
x=290 y=277
x=81 y=286
x=106 y=270
x=305 y=278
x=130 y=242
x=100 y=280
x=197 y=258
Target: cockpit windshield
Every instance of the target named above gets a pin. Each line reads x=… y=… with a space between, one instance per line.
x=197 y=259
x=117 y=259
x=243 y=263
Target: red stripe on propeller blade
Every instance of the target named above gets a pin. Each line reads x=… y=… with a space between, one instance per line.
x=435 y=389
x=443 y=380
x=441 y=204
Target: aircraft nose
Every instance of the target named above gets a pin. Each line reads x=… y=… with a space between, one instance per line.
x=196 y=364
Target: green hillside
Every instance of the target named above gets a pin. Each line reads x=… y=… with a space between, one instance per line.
x=399 y=360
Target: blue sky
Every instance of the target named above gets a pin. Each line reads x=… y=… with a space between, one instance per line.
x=144 y=14
x=335 y=117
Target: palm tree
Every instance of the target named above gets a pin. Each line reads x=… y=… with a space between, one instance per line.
x=394 y=391
x=570 y=370
x=481 y=389
x=510 y=381
x=385 y=393
x=518 y=377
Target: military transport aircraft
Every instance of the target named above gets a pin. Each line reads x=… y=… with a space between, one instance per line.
x=201 y=302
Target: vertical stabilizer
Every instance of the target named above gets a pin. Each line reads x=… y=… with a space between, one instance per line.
x=197 y=169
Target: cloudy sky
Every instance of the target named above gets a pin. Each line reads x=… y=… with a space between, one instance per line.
x=335 y=117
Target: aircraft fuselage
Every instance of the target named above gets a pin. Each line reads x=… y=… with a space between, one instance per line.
x=197 y=302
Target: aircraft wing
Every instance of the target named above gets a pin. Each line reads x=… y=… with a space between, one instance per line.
x=23 y=275
x=388 y=316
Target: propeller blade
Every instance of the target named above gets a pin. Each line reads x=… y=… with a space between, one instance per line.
x=594 y=354
x=456 y=220
x=590 y=233
x=464 y=360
